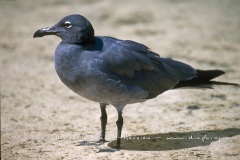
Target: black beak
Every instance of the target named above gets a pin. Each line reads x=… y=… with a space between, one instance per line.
x=44 y=32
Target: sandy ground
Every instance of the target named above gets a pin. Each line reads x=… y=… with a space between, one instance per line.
x=43 y=119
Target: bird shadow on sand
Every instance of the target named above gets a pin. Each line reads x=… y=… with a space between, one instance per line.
x=174 y=140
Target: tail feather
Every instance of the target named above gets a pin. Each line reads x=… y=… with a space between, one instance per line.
x=203 y=80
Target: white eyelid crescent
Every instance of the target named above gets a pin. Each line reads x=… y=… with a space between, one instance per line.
x=68 y=24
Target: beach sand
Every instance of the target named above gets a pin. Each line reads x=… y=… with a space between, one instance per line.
x=42 y=119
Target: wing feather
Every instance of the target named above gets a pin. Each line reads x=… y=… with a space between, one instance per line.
x=134 y=64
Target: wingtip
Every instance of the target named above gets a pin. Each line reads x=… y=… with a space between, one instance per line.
x=225 y=83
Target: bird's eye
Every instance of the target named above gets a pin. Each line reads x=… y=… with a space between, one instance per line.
x=67 y=24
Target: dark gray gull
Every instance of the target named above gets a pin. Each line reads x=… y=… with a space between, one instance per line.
x=117 y=72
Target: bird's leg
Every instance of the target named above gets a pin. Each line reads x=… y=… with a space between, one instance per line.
x=119 y=123
x=103 y=119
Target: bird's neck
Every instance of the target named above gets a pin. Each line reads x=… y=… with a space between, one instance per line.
x=86 y=43
x=83 y=40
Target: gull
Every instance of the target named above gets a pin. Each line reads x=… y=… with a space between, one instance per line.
x=117 y=72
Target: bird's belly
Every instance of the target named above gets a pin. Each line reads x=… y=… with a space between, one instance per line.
x=104 y=90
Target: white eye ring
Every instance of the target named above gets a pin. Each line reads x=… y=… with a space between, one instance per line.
x=68 y=24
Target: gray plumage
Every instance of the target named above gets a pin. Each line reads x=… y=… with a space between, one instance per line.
x=118 y=72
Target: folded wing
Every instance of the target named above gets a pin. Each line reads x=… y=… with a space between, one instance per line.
x=135 y=65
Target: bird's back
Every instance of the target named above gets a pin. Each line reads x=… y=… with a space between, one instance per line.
x=136 y=65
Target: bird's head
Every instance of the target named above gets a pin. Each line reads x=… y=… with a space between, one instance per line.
x=73 y=29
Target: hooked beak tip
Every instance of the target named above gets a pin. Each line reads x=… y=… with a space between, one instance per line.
x=44 y=32
x=38 y=33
